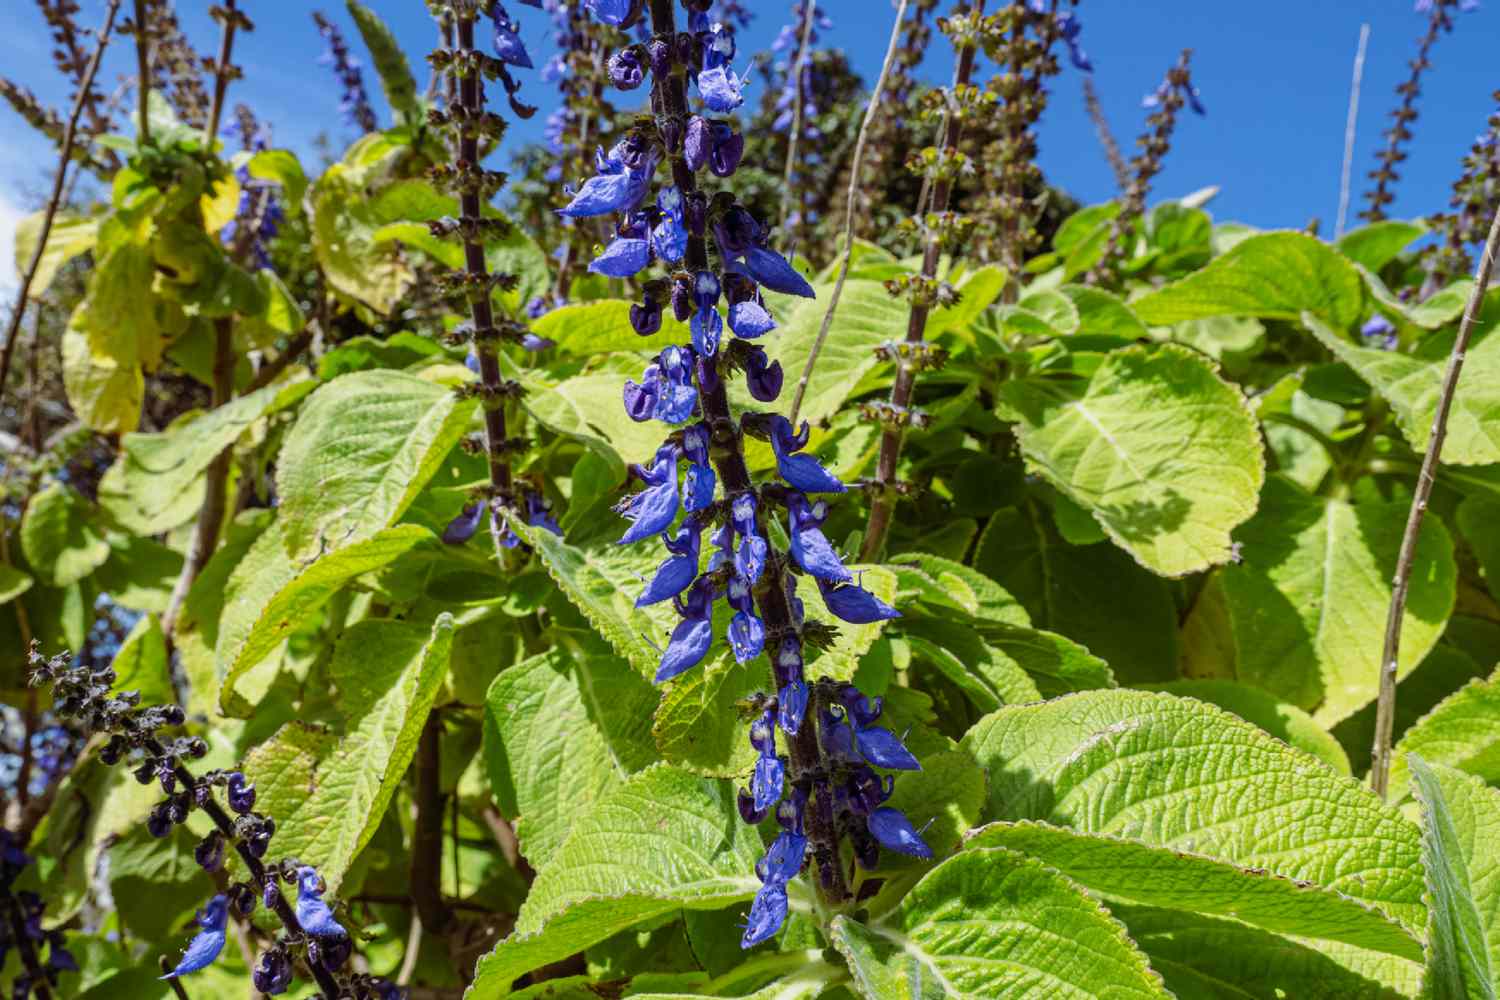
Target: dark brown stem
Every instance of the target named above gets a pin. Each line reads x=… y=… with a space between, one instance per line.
x=272 y=369
x=178 y=990
x=41 y=989
x=1385 y=707
x=726 y=450
x=427 y=837
x=222 y=71
x=1106 y=136
x=884 y=503
x=54 y=202
x=471 y=97
x=1406 y=112
x=143 y=71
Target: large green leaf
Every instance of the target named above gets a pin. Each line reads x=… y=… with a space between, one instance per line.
x=1308 y=601
x=344 y=224
x=1217 y=958
x=1095 y=595
x=562 y=729
x=328 y=786
x=587 y=408
x=1411 y=384
x=1277 y=275
x=60 y=538
x=1282 y=720
x=1159 y=449
x=197 y=629
x=867 y=316
x=1460 y=824
x=992 y=923
x=268 y=596
x=1181 y=774
x=586 y=329
x=1377 y=244
x=363 y=447
x=141 y=663
x=70 y=236
x=154 y=485
x=1128 y=869
x=390 y=63
x=1462 y=732
x=661 y=842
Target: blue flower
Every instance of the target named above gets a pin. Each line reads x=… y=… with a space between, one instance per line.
x=617 y=187
x=809 y=546
x=609 y=11
x=767 y=914
x=776 y=273
x=312 y=913
x=698 y=484
x=241 y=796
x=747 y=633
x=768 y=778
x=677 y=572
x=855 y=605
x=463 y=527
x=693 y=635
x=749 y=319
x=508 y=45
x=792 y=705
x=801 y=472
x=1380 y=330
x=721 y=88
x=666 y=391
x=750 y=558
x=893 y=830
x=625 y=257
x=208 y=942
x=762 y=379
x=654 y=508
x=670 y=236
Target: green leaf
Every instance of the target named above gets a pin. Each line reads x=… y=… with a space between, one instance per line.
x=1411 y=384
x=282 y=167
x=1462 y=732
x=986 y=676
x=390 y=62
x=699 y=726
x=155 y=485
x=356 y=263
x=1181 y=774
x=1284 y=721
x=155 y=883
x=141 y=663
x=329 y=786
x=562 y=729
x=1100 y=312
x=1277 y=275
x=587 y=408
x=281 y=317
x=661 y=842
x=1129 y=869
x=991 y=923
x=105 y=392
x=71 y=235
x=587 y=329
x=363 y=447
x=59 y=537
x=1308 y=602
x=955 y=585
x=1376 y=245
x=867 y=316
x=197 y=630
x=1162 y=451
x=977 y=289
x=268 y=595
x=1095 y=595
x=1460 y=822
x=1214 y=958
x=13 y=582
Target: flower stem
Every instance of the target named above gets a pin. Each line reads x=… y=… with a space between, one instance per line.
x=884 y=503
x=1385 y=706
x=41 y=989
x=726 y=450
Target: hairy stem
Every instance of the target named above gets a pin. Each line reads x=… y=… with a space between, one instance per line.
x=41 y=989
x=54 y=201
x=799 y=66
x=726 y=450
x=884 y=502
x=427 y=837
x=143 y=71
x=1385 y=708
x=871 y=111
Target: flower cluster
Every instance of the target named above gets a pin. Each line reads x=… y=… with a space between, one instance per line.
x=311 y=934
x=354 y=103
x=21 y=927
x=1464 y=225
x=259 y=215
x=819 y=783
x=796 y=72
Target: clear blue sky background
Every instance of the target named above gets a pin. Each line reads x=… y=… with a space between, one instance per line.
x=1274 y=74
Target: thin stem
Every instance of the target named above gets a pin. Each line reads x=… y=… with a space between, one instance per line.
x=427 y=837
x=41 y=989
x=143 y=71
x=165 y=965
x=799 y=66
x=1107 y=140
x=65 y=154
x=222 y=72
x=1385 y=709
x=884 y=503
x=1349 y=130
x=871 y=111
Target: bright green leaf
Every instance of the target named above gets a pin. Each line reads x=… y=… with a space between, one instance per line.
x=60 y=538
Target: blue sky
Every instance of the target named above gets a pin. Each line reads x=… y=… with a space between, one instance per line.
x=1274 y=75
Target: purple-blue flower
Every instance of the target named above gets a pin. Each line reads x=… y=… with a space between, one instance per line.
x=693 y=635
x=508 y=45
x=312 y=913
x=677 y=572
x=855 y=605
x=801 y=472
x=208 y=942
x=654 y=508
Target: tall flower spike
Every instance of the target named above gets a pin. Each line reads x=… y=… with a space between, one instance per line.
x=798 y=781
x=354 y=102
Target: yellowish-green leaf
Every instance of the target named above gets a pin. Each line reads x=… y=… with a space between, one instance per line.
x=71 y=235
x=60 y=538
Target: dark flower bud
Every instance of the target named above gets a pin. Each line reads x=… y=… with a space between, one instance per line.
x=645 y=317
x=258 y=841
x=158 y=823
x=866 y=849
x=242 y=898
x=695 y=213
x=687 y=49
x=241 y=796
x=146 y=773
x=273 y=972
x=660 y=54
x=625 y=68
x=682 y=305
x=210 y=852
x=196 y=748
x=728 y=148
x=336 y=951
x=748 y=812
x=178 y=806
x=202 y=792
x=167 y=775
x=671 y=134
x=270 y=893
x=173 y=715
x=112 y=751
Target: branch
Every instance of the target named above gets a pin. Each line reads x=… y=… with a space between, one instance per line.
x=55 y=201
x=143 y=69
x=1349 y=124
x=1385 y=709
x=871 y=111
